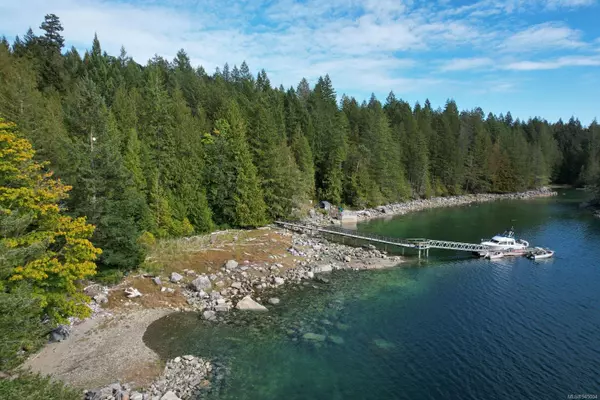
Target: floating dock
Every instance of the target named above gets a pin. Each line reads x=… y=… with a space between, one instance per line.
x=419 y=244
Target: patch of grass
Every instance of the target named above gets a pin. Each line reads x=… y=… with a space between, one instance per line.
x=29 y=386
x=109 y=277
x=152 y=297
x=152 y=267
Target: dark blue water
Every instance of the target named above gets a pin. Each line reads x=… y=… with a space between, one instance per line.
x=451 y=327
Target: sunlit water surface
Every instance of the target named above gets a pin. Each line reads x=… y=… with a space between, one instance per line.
x=451 y=327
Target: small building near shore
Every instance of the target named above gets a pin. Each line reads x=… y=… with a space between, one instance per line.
x=325 y=205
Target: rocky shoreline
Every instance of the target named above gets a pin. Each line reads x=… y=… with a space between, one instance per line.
x=425 y=204
x=246 y=285
x=185 y=377
x=239 y=284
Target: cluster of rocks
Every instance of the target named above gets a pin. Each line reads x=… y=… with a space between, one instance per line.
x=317 y=218
x=239 y=285
x=186 y=377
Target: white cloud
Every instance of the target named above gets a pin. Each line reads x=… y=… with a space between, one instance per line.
x=462 y=64
x=365 y=45
x=569 y=3
x=543 y=36
x=561 y=62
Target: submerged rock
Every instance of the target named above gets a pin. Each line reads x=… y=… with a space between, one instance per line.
x=383 y=344
x=342 y=327
x=248 y=304
x=274 y=300
x=314 y=337
x=209 y=315
x=336 y=339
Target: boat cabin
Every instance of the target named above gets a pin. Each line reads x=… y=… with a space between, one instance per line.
x=503 y=240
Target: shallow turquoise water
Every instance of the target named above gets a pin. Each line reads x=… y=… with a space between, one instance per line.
x=449 y=327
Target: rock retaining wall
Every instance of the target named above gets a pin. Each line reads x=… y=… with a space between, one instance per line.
x=424 y=204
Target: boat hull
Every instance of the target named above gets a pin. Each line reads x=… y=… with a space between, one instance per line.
x=541 y=256
x=506 y=253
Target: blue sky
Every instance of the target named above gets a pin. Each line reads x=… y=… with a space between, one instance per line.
x=530 y=57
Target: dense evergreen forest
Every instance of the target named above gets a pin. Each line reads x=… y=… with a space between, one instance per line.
x=100 y=155
x=167 y=149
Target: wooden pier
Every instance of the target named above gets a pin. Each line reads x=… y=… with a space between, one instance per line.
x=421 y=245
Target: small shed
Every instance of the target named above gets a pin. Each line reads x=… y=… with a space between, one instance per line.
x=325 y=205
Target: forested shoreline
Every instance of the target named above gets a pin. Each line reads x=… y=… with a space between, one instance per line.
x=167 y=149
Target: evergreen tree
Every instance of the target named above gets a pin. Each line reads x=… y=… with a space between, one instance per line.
x=304 y=161
x=41 y=248
x=250 y=208
x=131 y=141
x=52 y=28
x=275 y=163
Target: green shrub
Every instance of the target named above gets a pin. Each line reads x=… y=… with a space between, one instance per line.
x=109 y=276
x=21 y=329
x=152 y=268
x=29 y=386
x=146 y=240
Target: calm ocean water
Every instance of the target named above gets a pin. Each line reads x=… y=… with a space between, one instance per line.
x=451 y=327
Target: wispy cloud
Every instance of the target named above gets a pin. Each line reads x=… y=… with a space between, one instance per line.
x=462 y=64
x=561 y=62
x=543 y=36
x=365 y=45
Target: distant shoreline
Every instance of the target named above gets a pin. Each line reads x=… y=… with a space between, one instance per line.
x=396 y=209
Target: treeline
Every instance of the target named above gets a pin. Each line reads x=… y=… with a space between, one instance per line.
x=167 y=149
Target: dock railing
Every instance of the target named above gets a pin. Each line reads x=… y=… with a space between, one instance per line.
x=414 y=243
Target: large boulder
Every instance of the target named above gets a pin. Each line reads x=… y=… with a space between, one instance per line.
x=322 y=268
x=60 y=333
x=101 y=298
x=132 y=293
x=170 y=396
x=248 y=304
x=201 y=283
x=278 y=281
x=209 y=315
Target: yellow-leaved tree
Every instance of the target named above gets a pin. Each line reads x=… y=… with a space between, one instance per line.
x=40 y=246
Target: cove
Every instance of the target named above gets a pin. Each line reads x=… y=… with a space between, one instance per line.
x=450 y=327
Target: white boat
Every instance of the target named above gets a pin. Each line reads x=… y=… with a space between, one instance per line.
x=493 y=255
x=539 y=253
x=506 y=242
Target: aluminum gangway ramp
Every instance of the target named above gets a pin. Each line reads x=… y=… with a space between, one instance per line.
x=417 y=244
